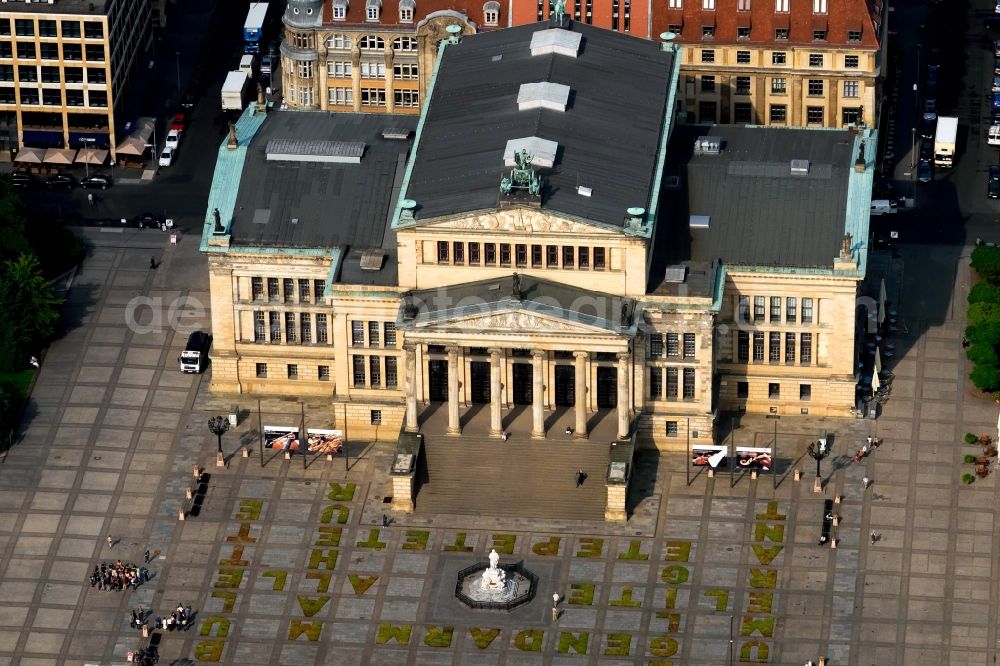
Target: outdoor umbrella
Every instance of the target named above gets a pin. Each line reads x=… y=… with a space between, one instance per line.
x=878 y=360
x=875 y=382
x=91 y=156
x=881 y=302
x=59 y=156
x=30 y=155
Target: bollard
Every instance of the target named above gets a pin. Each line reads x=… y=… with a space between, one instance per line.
x=288 y=455
x=836 y=520
x=196 y=471
x=753 y=475
x=711 y=473
x=798 y=474
x=822 y=661
x=329 y=457
x=246 y=452
x=836 y=499
x=180 y=515
x=220 y=460
x=188 y=493
x=818 y=485
x=145 y=631
x=833 y=543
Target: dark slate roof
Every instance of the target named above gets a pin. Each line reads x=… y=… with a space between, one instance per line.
x=336 y=204
x=759 y=213
x=608 y=136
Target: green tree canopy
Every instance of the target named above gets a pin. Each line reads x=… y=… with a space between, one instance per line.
x=32 y=309
x=983 y=313
x=13 y=241
x=985 y=377
x=983 y=353
x=988 y=332
x=984 y=292
x=986 y=261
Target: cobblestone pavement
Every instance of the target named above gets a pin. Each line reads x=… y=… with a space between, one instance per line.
x=290 y=565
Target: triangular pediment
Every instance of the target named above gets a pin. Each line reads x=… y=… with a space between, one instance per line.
x=520 y=320
x=520 y=221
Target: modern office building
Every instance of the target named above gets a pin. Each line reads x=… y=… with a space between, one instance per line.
x=621 y=272
x=63 y=67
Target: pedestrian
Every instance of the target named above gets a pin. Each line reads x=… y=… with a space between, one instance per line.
x=580 y=477
x=864 y=483
x=569 y=430
x=111 y=542
x=152 y=262
x=145 y=557
x=555 y=614
x=90 y=198
x=33 y=361
x=385 y=520
x=874 y=537
x=505 y=435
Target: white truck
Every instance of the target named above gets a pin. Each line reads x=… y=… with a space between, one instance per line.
x=235 y=91
x=944 y=141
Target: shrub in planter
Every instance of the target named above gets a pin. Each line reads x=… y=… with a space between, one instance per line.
x=967 y=479
x=969 y=458
x=970 y=438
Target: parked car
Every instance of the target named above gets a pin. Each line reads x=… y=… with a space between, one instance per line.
x=173 y=138
x=148 y=220
x=926 y=150
x=22 y=180
x=996 y=7
x=996 y=65
x=993 y=135
x=927 y=126
x=996 y=100
x=167 y=156
x=925 y=173
x=265 y=64
x=179 y=121
x=96 y=182
x=993 y=184
x=930 y=106
x=61 y=182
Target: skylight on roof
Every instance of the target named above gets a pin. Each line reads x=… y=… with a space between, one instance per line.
x=290 y=150
x=543 y=95
x=542 y=151
x=555 y=40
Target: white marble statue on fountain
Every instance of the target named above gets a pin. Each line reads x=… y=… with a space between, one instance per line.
x=494 y=577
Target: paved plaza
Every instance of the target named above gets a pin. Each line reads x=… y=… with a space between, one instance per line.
x=290 y=565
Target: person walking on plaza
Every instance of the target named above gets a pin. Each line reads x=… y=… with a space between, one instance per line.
x=874 y=537
x=864 y=483
x=580 y=478
x=111 y=542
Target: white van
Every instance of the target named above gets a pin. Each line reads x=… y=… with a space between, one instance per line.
x=248 y=64
x=883 y=207
x=993 y=135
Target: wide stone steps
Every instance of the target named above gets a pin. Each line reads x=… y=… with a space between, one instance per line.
x=519 y=477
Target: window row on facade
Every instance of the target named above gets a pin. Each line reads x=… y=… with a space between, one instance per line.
x=669 y=345
x=367 y=371
x=743 y=85
x=292 y=371
x=776 y=309
x=52 y=51
x=373 y=11
x=344 y=69
x=287 y=290
x=521 y=255
x=779 y=59
x=290 y=327
x=367 y=333
x=52 y=74
x=35 y=96
x=344 y=96
x=366 y=43
x=67 y=29
x=774 y=391
x=774 y=347
x=819 y=7
x=671 y=383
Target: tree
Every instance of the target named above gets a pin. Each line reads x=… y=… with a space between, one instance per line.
x=983 y=353
x=13 y=241
x=984 y=292
x=982 y=313
x=985 y=377
x=32 y=307
x=986 y=261
x=988 y=332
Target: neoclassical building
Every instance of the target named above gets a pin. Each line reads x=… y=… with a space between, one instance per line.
x=547 y=244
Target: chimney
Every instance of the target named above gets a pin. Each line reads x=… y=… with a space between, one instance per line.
x=859 y=164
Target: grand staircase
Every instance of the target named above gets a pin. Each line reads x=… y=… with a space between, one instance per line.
x=521 y=477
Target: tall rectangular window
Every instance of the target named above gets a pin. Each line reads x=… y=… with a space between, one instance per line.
x=568 y=256
x=815 y=87
x=390 y=333
x=758 y=346
x=774 y=347
x=775 y=309
x=599 y=263
x=259 y=329
x=293 y=371
x=707 y=84
x=790 y=310
x=274 y=323
x=323 y=373
x=774 y=391
x=655 y=345
x=781 y=5
x=289 y=327
x=688 y=383
x=671 y=428
x=536 y=256
x=552 y=256
x=655 y=383
x=391 y=372
x=374 y=371
x=273 y=294
x=744 y=308
x=358 y=333
x=289 y=288
x=851 y=88
x=819 y=6
x=257 y=288
x=742 y=389
x=358 y=362
x=521 y=255
x=319 y=288
x=458 y=252
x=474 y=257
x=261 y=370
x=743 y=347
x=671 y=383
x=673 y=345
x=805 y=391
x=742 y=85
x=807 y=310
x=505 y=254
x=321 y=334
x=806 y=348
x=789 y=348
x=442 y=252
x=303 y=291
x=584 y=257
x=758 y=308
x=373 y=334
x=490 y=250
x=779 y=85
x=689 y=346
x=305 y=328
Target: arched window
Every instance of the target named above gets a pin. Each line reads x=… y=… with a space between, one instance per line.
x=404 y=44
x=371 y=43
x=491 y=13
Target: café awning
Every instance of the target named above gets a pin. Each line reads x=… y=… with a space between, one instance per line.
x=30 y=155
x=91 y=156
x=59 y=156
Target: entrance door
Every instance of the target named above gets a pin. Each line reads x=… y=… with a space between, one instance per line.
x=565 y=386
x=607 y=387
x=480 y=371
x=437 y=380
x=522 y=383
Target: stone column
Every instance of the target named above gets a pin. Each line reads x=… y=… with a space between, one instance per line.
x=537 y=395
x=453 y=422
x=411 y=388
x=623 y=410
x=580 y=394
x=496 y=420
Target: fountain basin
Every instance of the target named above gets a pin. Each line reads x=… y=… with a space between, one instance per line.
x=519 y=587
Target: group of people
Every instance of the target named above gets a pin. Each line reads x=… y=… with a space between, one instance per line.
x=180 y=619
x=138 y=618
x=117 y=576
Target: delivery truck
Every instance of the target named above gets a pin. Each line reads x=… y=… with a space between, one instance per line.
x=944 y=141
x=235 y=91
x=195 y=355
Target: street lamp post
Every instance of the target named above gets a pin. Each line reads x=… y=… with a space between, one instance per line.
x=817 y=450
x=219 y=425
x=86 y=162
x=178 y=54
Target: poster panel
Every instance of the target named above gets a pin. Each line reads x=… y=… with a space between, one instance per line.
x=753 y=458
x=710 y=455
